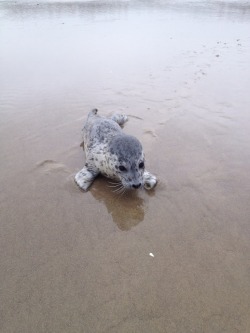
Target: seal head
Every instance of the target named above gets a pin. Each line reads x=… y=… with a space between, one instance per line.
x=127 y=158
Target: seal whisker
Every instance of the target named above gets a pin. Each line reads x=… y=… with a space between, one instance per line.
x=115 y=184
x=120 y=189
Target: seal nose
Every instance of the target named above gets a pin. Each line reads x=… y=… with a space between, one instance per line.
x=136 y=185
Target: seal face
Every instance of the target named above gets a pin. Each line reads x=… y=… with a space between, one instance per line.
x=112 y=153
x=126 y=152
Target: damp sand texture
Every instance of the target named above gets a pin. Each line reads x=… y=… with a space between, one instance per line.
x=174 y=260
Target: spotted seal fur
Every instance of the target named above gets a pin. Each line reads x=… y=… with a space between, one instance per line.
x=112 y=153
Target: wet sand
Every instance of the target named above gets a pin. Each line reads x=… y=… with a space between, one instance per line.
x=79 y=262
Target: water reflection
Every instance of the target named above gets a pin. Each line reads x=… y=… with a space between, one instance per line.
x=126 y=210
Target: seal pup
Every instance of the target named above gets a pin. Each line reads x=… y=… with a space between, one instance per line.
x=112 y=153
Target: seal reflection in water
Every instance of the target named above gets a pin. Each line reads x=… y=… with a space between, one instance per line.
x=114 y=154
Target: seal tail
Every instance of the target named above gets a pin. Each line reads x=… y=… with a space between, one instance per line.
x=93 y=112
x=88 y=121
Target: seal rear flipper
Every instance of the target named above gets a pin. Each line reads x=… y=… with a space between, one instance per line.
x=120 y=119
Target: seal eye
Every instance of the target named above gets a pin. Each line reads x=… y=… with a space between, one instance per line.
x=122 y=168
x=141 y=165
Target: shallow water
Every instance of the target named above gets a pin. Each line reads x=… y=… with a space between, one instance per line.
x=79 y=262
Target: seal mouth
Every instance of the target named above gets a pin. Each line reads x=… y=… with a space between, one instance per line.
x=132 y=187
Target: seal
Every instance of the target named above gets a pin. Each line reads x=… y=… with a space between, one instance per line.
x=112 y=153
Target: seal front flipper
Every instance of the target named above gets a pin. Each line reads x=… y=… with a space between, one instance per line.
x=85 y=177
x=149 y=180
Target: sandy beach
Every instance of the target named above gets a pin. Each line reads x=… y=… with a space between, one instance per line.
x=79 y=262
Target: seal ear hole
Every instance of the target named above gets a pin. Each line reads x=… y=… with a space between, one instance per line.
x=122 y=168
x=141 y=165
